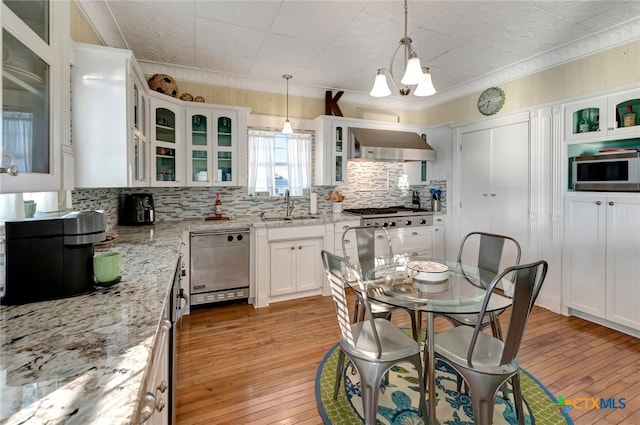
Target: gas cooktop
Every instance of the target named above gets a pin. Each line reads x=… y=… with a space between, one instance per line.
x=396 y=216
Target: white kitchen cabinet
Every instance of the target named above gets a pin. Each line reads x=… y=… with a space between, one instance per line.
x=331 y=151
x=35 y=96
x=109 y=118
x=439 y=238
x=216 y=140
x=423 y=172
x=602 y=117
x=167 y=142
x=412 y=241
x=154 y=406
x=295 y=266
x=494 y=186
x=288 y=263
x=601 y=264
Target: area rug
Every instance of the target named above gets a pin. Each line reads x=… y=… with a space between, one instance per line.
x=398 y=400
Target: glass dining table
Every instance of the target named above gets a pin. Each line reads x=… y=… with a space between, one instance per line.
x=407 y=282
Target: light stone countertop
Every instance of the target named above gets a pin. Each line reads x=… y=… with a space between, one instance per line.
x=82 y=360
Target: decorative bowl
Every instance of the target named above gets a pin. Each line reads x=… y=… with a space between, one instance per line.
x=428 y=276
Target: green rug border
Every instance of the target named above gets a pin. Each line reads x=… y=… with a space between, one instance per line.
x=533 y=391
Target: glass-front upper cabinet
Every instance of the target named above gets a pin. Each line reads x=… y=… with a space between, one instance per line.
x=139 y=150
x=35 y=74
x=605 y=117
x=199 y=141
x=167 y=143
x=225 y=149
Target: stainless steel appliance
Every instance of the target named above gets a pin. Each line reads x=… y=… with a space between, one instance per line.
x=50 y=258
x=219 y=269
x=607 y=171
x=392 y=217
x=137 y=209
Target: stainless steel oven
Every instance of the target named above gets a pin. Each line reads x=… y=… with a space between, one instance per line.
x=219 y=266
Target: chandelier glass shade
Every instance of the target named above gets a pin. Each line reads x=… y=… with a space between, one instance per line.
x=286 y=129
x=415 y=75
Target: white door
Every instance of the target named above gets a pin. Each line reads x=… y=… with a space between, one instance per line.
x=509 y=174
x=475 y=182
x=584 y=254
x=623 y=261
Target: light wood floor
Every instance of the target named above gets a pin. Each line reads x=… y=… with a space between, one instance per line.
x=240 y=365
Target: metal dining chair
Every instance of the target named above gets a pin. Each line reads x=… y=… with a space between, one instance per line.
x=370 y=250
x=491 y=256
x=484 y=361
x=373 y=345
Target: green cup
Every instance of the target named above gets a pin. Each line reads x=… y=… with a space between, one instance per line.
x=29 y=209
x=106 y=267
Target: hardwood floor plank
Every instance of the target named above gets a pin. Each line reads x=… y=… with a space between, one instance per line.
x=240 y=365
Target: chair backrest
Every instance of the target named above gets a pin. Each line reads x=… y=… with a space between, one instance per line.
x=336 y=269
x=364 y=239
x=491 y=253
x=528 y=279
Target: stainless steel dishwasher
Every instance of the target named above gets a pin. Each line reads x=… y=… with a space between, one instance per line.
x=219 y=266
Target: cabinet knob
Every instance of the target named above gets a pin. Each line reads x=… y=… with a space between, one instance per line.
x=293 y=247
x=347 y=241
x=163 y=386
x=493 y=194
x=436 y=229
x=485 y=194
x=300 y=247
x=598 y=203
x=611 y=202
x=160 y=404
x=147 y=406
x=380 y=237
x=415 y=233
x=166 y=324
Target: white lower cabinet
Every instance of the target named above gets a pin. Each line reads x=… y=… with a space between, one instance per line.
x=601 y=265
x=295 y=266
x=288 y=264
x=154 y=408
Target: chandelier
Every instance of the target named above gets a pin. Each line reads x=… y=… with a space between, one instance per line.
x=416 y=77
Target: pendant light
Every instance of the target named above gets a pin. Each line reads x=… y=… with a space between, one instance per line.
x=286 y=129
x=415 y=77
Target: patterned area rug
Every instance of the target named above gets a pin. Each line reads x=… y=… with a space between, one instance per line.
x=398 y=400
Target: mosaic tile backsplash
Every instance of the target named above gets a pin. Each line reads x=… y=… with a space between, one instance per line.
x=371 y=184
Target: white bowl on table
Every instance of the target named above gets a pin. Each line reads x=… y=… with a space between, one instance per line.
x=429 y=276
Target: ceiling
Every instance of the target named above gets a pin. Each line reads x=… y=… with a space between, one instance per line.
x=338 y=45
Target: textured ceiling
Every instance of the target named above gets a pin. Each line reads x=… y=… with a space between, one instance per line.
x=338 y=45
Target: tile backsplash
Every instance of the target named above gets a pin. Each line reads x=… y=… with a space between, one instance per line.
x=373 y=184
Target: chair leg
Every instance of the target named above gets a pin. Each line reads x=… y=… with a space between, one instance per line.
x=339 y=371
x=483 y=390
x=416 y=318
x=517 y=398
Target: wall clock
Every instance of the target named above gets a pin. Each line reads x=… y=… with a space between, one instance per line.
x=491 y=101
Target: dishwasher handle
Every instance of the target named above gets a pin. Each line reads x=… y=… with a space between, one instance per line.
x=219 y=232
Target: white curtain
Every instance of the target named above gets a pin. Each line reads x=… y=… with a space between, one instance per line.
x=261 y=160
x=298 y=158
x=17 y=140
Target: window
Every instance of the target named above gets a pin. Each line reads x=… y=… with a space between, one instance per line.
x=278 y=162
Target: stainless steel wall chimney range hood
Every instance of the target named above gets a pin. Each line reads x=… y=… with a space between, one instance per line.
x=388 y=145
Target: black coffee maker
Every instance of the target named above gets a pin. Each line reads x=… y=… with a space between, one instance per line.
x=50 y=258
x=137 y=208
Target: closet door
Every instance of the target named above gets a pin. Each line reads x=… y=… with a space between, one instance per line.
x=475 y=182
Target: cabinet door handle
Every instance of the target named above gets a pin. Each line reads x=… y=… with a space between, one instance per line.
x=293 y=247
x=436 y=229
x=380 y=237
x=345 y=227
x=163 y=386
x=347 y=241
x=160 y=405
x=493 y=194
x=300 y=247
x=485 y=194
x=598 y=202
x=611 y=202
x=414 y=233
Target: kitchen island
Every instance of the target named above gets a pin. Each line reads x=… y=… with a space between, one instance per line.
x=84 y=359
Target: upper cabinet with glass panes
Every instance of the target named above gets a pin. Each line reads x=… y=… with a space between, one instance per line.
x=35 y=94
x=607 y=117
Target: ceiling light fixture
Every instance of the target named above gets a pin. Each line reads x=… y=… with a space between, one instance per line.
x=287 y=125
x=414 y=73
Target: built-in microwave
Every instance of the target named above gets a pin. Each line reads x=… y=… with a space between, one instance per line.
x=610 y=172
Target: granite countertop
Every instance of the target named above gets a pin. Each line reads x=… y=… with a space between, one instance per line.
x=82 y=360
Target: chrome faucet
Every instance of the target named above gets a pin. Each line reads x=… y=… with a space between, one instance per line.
x=289 y=202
